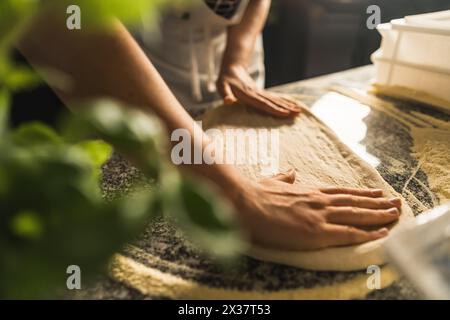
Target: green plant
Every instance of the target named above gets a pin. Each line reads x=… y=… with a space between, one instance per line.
x=52 y=214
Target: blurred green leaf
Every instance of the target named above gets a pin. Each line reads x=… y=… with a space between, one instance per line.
x=51 y=198
x=36 y=133
x=49 y=187
x=4 y=63
x=211 y=215
x=20 y=78
x=3 y=182
x=206 y=218
x=14 y=15
x=131 y=132
x=27 y=224
x=97 y=150
x=4 y=111
x=141 y=206
x=102 y=12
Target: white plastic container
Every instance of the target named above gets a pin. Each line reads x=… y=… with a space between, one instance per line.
x=415 y=56
x=435 y=19
x=420 y=79
x=416 y=43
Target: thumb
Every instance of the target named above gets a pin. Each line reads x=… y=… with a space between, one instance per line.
x=288 y=176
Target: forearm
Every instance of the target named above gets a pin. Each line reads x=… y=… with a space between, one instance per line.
x=111 y=64
x=241 y=38
x=100 y=63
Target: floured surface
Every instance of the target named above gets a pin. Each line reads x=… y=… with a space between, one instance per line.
x=151 y=281
x=412 y=95
x=320 y=160
x=161 y=247
x=431 y=142
x=431 y=147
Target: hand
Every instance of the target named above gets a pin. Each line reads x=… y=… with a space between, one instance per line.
x=235 y=84
x=278 y=214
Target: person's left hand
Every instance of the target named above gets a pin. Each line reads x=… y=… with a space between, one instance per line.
x=235 y=84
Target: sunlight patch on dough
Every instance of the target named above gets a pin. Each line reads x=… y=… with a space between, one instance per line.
x=345 y=117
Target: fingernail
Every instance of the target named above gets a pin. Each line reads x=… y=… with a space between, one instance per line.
x=395 y=201
x=393 y=211
x=383 y=231
x=376 y=192
x=229 y=100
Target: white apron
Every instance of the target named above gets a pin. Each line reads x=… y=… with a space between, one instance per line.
x=187 y=50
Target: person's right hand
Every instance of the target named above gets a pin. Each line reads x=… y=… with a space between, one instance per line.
x=278 y=214
x=235 y=84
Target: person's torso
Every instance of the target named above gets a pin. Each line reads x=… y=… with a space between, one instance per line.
x=188 y=44
x=200 y=27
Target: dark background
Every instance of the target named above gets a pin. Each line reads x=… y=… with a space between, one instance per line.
x=307 y=38
x=302 y=39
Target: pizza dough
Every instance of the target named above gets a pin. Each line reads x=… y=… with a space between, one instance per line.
x=320 y=160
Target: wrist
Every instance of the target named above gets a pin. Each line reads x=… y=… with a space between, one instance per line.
x=232 y=68
x=232 y=183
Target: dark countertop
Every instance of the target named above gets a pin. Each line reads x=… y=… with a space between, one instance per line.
x=386 y=143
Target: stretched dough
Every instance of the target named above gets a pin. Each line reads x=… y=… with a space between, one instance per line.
x=320 y=160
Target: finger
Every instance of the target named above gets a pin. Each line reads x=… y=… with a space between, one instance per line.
x=361 y=217
x=296 y=102
x=337 y=235
x=229 y=100
x=280 y=101
x=294 y=105
x=372 y=193
x=250 y=98
x=275 y=101
x=345 y=200
x=288 y=177
x=225 y=91
x=228 y=96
